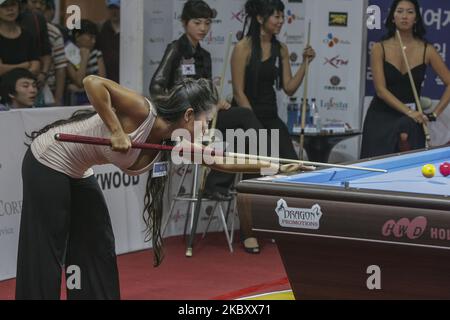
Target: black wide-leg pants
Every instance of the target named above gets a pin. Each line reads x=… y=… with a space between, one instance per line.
x=64 y=224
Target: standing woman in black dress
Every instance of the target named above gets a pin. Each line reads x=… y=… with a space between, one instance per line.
x=393 y=123
x=259 y=64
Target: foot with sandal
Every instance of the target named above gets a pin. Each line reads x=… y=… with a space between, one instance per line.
x=251 y=245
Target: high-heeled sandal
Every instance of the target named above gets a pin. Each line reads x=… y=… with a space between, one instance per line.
x=251 y=249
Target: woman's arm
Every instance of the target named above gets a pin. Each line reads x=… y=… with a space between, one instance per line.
x=239 y=60
x=5 y=68
x=292 y=83
x=229 y=165
x=45 y=62
x=260 y=167
x=442 y=71
x=160 y=81
x=111 y=100
x=60 y=76
x=101 y=67
x=377 y=64
x=35 y=67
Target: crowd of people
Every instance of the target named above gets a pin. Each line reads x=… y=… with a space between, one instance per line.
x=45 y=61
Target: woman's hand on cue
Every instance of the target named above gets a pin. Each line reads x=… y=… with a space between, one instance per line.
x=120 y=141
x=308 y=54
x=418 y=117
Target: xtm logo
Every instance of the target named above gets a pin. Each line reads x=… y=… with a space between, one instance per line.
x=291 y=17
x=336 y=62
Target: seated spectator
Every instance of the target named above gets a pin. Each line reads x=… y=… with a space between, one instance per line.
x=108 y=40
x=84 y=60
x=17 y=47
x=54 y=81
x=18 y=89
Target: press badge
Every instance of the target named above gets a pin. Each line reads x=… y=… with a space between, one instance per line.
x=160 y=169
x=188 y=67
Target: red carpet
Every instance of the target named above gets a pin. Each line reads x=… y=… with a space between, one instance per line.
x=212 y=273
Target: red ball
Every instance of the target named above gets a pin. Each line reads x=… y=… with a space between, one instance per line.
x=445 y=169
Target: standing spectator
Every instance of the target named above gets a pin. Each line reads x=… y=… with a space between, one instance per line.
x=84 y=60
x=35 y=24
x=18 y=89
x=17 y=48
x=56 y=76
x=109 y=40
x=49 y=15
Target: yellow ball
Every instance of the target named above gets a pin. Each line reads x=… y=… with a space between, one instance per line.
x=428 y=171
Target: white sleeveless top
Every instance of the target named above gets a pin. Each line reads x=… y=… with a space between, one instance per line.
x=76 y=160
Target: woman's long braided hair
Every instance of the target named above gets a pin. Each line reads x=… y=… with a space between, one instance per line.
x=201 y=96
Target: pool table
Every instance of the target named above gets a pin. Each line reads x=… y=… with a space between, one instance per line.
x=346 y=234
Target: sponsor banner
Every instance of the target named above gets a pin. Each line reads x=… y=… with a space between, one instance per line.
x=12 y=146
x=353 y=221
x=335 y=79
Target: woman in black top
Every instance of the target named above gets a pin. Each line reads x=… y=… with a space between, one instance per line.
x=259 y=61
x=17 y=49
x=393 y=123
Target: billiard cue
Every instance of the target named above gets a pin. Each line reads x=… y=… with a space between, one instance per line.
x=107 y=142
x=201 y=190
x=305 y=97
x=413 y=86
